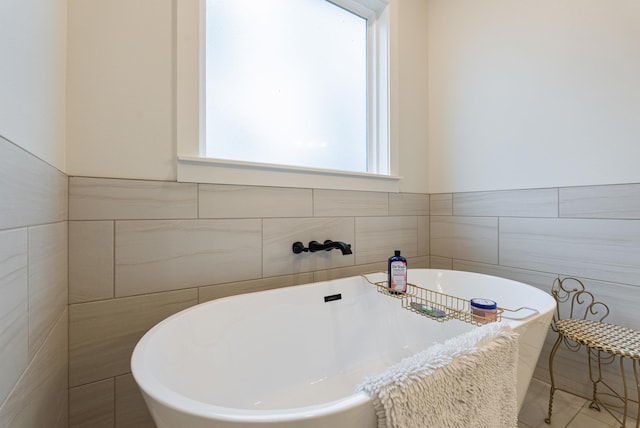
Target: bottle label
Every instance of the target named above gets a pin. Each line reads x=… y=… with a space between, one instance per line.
x=398 y=276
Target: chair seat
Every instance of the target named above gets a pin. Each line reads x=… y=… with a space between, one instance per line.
x=610 y=338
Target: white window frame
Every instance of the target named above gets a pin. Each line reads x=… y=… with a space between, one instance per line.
x=192 y=166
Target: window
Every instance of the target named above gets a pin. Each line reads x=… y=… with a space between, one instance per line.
x=286 y=83
x=283 y=85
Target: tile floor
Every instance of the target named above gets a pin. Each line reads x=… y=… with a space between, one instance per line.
x=569 y=411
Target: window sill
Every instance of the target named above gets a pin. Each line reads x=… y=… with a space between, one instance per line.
x=194 y=169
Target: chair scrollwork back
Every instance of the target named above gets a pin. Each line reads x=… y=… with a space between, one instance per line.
x=574 y=302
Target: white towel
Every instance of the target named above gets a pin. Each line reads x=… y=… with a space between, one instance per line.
x=468 y=381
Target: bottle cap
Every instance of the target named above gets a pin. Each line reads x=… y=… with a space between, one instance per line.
x=397 y=252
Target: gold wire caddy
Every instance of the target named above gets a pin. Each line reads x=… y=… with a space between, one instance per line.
x=435 y=305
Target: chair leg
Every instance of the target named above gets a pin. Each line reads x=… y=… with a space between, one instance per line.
x=624 y=387
x=635 y=373
x=594 y=400
x=553 y=384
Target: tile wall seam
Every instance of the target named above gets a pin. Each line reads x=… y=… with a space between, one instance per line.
x=68 y=280
x=499 y=220
x=113 y=377
x=554 y=273
x=68 y=383
x=115 y=403
x=587 y=278
x=453 y=204
x=153 y=293
x=15 y=385
x=28 y=267
x=113 y=285
x=355 y=239
x=28 y=362
x=198 y=201
x=154 y=180
x=68 y=297
x=429 y=235
x=57 y=319
x=24 y=226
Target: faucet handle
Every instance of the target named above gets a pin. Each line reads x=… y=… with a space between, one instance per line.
x=298 y=247
x=316 y=246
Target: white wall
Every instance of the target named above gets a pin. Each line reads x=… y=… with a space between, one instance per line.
x=533 y=94
x=121 y=102
x=32 y=76
x=520 y=94
x=120 y=97
x=409 y=101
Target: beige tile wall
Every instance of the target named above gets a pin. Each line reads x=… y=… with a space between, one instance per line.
x=162 y=255
x=508 y=203
x=133 y=244
x=220 y=201
x=621 y=201
x=32 y=192
x=534 y=236
x=14 y=312
x=135 y=258
x=91 y=246
x=467 y=238
x=103 y=198
x=33 y=291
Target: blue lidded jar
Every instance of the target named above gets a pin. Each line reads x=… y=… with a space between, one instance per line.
x=484 y=310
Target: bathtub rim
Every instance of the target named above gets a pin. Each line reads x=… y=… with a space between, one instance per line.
x=179 y=402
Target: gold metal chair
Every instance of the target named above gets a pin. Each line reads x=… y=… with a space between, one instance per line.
x=579 y=322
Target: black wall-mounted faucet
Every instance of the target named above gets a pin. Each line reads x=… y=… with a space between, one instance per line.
x=298 y=247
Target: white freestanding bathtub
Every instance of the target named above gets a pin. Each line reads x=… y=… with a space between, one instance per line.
x=288 y=358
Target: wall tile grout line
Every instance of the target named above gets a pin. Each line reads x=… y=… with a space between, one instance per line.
x=114 y=259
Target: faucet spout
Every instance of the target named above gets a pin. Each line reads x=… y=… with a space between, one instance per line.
x=330 y=245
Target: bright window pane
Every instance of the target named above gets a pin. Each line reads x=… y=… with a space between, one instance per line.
x=286 y=83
